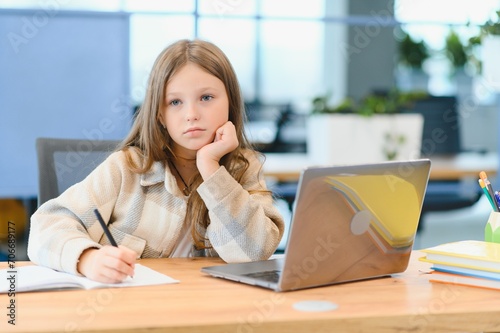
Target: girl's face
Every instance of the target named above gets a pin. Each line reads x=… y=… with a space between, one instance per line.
x=195 y=106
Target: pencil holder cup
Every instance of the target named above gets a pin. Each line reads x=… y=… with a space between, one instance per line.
x=492 y=228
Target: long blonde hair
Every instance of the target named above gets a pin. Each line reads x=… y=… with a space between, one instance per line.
x=151 y=140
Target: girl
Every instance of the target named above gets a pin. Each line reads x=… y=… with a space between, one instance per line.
x=184 y=182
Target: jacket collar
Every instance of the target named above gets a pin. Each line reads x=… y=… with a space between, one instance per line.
x=160 y=173
x=155 y=175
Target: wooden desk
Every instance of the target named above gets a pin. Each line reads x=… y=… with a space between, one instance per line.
x=287 y=167
x=406 y=302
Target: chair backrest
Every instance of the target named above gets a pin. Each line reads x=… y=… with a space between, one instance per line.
x=441 y=120
x=64 y=162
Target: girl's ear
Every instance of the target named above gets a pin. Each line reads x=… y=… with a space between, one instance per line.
x=160 y=119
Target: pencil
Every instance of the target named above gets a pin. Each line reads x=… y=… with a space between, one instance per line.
x=489 y=189
x=485 y=190
x=105 y=228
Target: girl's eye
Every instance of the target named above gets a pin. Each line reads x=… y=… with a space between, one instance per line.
x=206 y=97
x=175 y=102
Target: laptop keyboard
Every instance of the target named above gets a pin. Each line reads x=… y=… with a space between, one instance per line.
x=270 y=276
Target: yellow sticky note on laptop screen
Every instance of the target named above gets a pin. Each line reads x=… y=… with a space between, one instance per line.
x=389 y=199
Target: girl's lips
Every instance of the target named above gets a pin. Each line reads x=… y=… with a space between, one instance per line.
x=193 y=130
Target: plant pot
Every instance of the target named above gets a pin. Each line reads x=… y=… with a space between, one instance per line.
x=463 y=83
x=336 y=139
x=410 y=79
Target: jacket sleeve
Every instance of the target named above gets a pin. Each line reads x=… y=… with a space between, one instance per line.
x=63 y=227
x=244 y=225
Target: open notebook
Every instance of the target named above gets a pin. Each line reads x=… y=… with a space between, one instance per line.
x=349 y=223
x=38 y=278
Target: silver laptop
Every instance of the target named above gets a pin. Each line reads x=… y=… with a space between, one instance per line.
x=349 y=223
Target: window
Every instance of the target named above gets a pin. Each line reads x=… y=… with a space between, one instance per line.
x=239 y=48
x=149 y=35
x=279 y=51
x=54 y=5
x=291 y=60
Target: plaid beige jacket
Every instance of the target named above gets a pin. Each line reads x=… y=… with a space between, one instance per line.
x=146 y=213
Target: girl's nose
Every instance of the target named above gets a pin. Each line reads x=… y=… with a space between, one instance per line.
x=192 y=112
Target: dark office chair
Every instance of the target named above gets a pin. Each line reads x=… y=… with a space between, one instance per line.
x=441 y=131
x=282 y=116
x=64 y=162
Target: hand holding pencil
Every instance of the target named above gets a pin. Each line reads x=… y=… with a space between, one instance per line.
x=109 y=264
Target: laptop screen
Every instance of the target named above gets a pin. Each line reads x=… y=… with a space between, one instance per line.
x=354 y=222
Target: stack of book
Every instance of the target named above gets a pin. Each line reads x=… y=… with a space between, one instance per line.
x=471 y=263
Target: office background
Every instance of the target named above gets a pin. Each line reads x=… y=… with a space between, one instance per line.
x=78 y=69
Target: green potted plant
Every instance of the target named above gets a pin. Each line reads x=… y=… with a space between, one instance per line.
x=372 y=129
x=412 y=56
x=490 y=30
x=492 y=26
x=412 y=53
x=394 y=101
x=321 y=105
x=455 y=51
